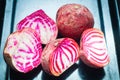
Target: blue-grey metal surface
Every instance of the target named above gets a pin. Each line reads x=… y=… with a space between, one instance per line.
x=16 y=10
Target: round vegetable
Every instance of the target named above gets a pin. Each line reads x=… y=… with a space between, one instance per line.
x=42 y=23
x=23 y=50
x=93 y=48
x=59 y=55
x=73 y=19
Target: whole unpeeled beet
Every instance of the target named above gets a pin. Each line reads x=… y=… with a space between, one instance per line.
x=73 y=19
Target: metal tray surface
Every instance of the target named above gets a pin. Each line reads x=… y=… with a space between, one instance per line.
x=16 y=10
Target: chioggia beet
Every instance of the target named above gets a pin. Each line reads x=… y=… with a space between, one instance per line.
x=93 y=48
x=42 y=23
x=59 y=55
x=73 y=19
x=23 y=49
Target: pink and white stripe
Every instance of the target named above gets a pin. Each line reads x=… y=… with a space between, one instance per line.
x=43 y=24
x=94 y=48
x=64 y=54
x=24 y=47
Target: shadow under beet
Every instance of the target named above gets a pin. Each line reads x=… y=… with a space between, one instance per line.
x=14 y=75
x=88 y=73
x=63 y=76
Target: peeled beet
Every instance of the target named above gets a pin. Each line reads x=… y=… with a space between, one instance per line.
x=73 y=19
x=23 y=49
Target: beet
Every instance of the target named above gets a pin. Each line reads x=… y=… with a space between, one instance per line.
x=23 y=49
x=73 y=19
x=93 y=48
x=59 y=55
x=42 y=23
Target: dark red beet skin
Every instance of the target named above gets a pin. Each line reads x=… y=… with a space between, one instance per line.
x=73 y=19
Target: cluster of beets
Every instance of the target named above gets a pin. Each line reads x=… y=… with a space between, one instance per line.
x=69 y=39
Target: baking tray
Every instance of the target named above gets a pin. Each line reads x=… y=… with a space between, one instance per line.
x=16 y=10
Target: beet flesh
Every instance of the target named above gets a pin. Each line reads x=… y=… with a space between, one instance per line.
x=59 y=55
x=93 y=48
x=23 y=50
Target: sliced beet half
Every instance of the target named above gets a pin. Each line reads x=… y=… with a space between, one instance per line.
x=59 y=55
x=23 y=50
x=93 y=48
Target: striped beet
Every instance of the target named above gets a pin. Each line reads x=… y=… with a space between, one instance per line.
x=42 y=23
x=93 y=47
x=23 y=50
x=59 y=55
